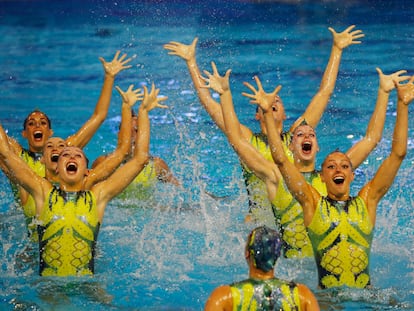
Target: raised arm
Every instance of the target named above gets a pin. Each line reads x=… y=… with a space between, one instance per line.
x=300 y=189
x=110 y=162
x=123 y=176
x=360 y=151
x=252 y=158
x=85 y=134
x=319 y=102
x=19 y=172
x=188 y=52
x=383 y=179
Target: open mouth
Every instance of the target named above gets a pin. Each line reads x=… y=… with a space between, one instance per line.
x=339 y=180
x=54 y=157
x=306 y=147
x=71 y=168
x=37 y=135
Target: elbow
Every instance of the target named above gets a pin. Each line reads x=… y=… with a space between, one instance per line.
x=373 y=140
x=278 y=158
x=125 y=151
x=144 y=158
x=279 y=161
x=400 y=154
x=399 y=148
x=100 y=119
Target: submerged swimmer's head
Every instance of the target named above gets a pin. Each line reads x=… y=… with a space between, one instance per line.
x=263 y=246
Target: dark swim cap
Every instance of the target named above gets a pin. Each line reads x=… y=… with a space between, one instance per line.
x=264 y=246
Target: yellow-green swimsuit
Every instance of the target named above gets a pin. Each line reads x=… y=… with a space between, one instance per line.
x=29 y=208
x=289 y=218
x=265 y=295
x=33 y=160
x=68 y=229
x=256 y=188
x=341 y=234
x=142 y=187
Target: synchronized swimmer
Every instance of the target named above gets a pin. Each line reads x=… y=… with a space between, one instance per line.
x=298 y=210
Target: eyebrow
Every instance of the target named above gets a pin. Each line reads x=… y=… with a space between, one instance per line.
x=32 y=118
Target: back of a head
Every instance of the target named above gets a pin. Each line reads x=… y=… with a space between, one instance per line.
x=264 y=245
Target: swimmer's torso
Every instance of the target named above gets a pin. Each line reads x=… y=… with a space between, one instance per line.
x=33 y=160
x=68 y=229
x=142 y=187
x=289 y=218
x=256 y=188
x=341 y=234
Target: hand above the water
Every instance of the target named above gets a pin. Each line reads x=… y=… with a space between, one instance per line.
x=151 y=99
x=347 y=37
x=387 y=81
x=260 y=97
x=131 y=96
x=187 y=52
x=219 y=84
x=405 y=91
x=116 y=65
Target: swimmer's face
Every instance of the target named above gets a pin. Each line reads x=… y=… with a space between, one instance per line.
x=304 y=145
x=72 y=165
x=337 y=174
x=278 y=110
x=37 y=130
x=51 y=151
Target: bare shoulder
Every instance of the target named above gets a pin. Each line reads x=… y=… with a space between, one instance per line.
x=220 y=299
x=308 y=300
x=158 y=162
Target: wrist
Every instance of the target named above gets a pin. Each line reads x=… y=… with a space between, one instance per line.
x=191 y=62
x=336 y=48
x=109 y=75
x=381 y=90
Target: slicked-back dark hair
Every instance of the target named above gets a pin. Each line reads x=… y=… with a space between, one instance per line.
x=34 y=111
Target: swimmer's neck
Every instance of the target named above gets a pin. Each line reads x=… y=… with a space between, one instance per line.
x=255 y=273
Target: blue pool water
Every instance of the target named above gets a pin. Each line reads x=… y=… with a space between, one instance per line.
x=170 y=255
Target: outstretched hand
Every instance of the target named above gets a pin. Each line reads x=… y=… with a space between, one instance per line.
x=347 y=37
x=184 y=51
x=151 y=99
x=259 y=96
x=405 y=91
x=131 y=96
x=387 y=82
x=218 y=83
x=116 y=65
